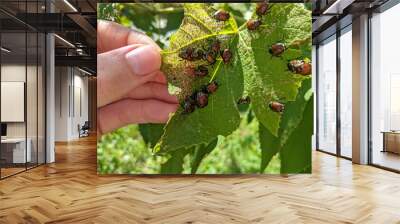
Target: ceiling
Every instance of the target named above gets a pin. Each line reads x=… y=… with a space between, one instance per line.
x=331 y=15
x=74 y=22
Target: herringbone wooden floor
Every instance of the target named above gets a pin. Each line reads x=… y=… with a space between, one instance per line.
x=69 y=191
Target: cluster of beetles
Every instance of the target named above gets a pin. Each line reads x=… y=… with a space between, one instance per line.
x=200 y=98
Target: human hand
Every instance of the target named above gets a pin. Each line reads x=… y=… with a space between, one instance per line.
x=131 y=87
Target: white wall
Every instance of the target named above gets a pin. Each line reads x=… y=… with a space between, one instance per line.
x=80 y=100
x=34 y=125
x=70 y=83
x=16 y=73
x=61 y=103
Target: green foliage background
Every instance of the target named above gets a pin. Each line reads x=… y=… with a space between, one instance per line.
x=127 y=151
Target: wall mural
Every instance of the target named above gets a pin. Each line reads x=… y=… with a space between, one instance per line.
x=241 y=76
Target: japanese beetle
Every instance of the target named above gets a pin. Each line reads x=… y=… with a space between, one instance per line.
x=200 y=71
x=276 y=106
x=221 y=15
x=306 y=69
x=209 y=57
x=201 y=99
x=300 y=67
x=186 y=53
x=212 y=87
x=215 y=46
x=262 y=8
x=277 y=49
x=244 y=100
x=226 y=55
x=188 y=105
x=197 y=54
x=191 y=54
x=294 y=65
x=253 y=24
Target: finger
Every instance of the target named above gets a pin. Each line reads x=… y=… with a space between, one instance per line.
x=159 y=77
x=123 y=69
x=111 y=36
x=130 y=111
x=152 y=90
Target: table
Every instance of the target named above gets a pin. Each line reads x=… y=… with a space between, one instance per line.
x=391 y=141
x=13 y=150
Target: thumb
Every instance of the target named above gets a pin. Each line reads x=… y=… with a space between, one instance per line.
x=124 y=69
x=144 y=60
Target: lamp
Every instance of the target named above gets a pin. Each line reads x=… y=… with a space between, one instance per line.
x=84 y=71
x=70 y=5
x=5 y=49
x=65 y=41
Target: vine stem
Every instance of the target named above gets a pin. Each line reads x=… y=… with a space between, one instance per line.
x=216 y=70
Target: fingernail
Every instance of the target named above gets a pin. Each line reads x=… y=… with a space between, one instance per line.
x=144 y=60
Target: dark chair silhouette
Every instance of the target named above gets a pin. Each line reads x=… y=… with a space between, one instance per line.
x=84 y=130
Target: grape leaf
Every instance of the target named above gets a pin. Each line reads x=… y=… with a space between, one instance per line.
x=151 y=133
x=200 y=152
x=294 y=112
x=269 y=145
x=267 y=77
x=296 y=153
x=293 y=115
x=250 y=116
x=221 y=116
x=198 y=30
x=174 y=164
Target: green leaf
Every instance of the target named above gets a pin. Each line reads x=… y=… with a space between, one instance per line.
x=151 y=133
x=296 y=154
x=250 y=116
x=238 y=10
x=197 y=30
x=293 y=113
x=106 y=11
x=174 y=164
x=292 y=116
x=269 y=145
x=221 y=116
x=200 y=152
x=267 y=78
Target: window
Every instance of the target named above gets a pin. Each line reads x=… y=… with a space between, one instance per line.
x=22 y=77
x=329 y=112
x=385 y=89
x=327 y=95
